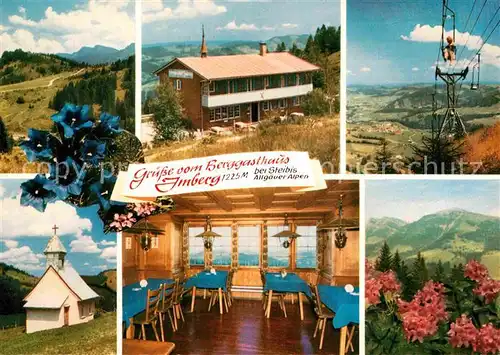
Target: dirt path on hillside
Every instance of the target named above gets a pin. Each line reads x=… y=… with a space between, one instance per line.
x=37 y=86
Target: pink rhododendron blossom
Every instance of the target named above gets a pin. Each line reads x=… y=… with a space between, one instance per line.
x=121 y=221
x=144 y=209
x=423 y=313
x=372 y=291
x=462 y=333
x=475 y=271
x=369 y=269
x=488 y=288
x=389 y=282
x=488 y=340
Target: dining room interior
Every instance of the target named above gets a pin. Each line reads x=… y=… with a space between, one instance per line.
x=261 y=271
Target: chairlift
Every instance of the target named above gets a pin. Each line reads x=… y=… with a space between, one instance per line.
x=474 y=85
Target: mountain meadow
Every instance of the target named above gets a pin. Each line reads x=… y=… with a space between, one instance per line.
x=34 y=86
x=451 y=237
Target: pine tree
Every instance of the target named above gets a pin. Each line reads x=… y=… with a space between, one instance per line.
x=409 y=286
x=439 y=272
x=419 y=272
x=457 y=272
x=281 y=47
x=437 y=155
x=383 y=157
x=384 y=260
x=396 y=262
x=5 y=138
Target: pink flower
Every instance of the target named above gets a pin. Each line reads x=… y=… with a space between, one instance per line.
x=389 y=282
x=423 y=313
x=372 y=291
x=417 y=327
x=369 y=269
x=475 y=271
x=144 y=209
x=488 y=340
x=462 y=333
x=488 y=288
x=121 y=221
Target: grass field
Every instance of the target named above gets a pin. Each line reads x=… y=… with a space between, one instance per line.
x=97 y=337
x=318 y=136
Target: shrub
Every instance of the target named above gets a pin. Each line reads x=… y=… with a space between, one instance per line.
x=20 y=100
x=315 y=103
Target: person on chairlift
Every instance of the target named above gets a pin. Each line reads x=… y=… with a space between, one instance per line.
x=449 y=50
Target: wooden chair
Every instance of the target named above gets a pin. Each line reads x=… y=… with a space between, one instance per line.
x=322 y=312
x=279 y=295
x=150 y=315
x=167 y=307
x=227 y=298
x=179 y=292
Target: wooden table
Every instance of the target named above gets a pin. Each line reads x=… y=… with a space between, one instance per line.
x=290 y=284
x=147 y=347
x=208 y=281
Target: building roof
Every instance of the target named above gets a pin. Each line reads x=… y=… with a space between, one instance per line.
x=54 y=246
x=244 y=65
x=76 y=283
x=40 y=298
x=49 y=300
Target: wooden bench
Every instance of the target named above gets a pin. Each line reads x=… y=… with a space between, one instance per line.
x=146 y=347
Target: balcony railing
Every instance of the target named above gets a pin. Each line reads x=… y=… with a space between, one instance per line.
x=254 y=96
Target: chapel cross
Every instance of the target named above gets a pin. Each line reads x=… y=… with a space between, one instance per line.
x=55 y=228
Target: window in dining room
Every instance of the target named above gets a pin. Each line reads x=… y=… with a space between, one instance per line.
x=306 y=247
x=248 y=245
x=221 y=248
x=196 y=247
x=278 y=256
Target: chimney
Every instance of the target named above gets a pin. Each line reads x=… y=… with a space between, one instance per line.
x=263 y=48
x=204 y=49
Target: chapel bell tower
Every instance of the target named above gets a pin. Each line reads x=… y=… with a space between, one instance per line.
x=55 y=251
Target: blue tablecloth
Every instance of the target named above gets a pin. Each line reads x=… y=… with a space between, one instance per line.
x=345 y=305
x=290 y=283
x=205 y=279
x=134 y=297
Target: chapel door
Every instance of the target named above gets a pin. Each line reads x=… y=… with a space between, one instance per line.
x=66 y=315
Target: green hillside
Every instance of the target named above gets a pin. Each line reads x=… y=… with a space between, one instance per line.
x=97 y=337
x=450 y=236
x=18 y=66
x=23 y=277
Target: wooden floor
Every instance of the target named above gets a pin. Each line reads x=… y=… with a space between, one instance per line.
x=245 y=330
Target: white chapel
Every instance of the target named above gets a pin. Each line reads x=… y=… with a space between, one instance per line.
x=61 y=297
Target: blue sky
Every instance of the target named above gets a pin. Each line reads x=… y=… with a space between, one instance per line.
x=378 y=54
x=64 y=26
x=24 y=233
x=171 y=21
x=410 y=200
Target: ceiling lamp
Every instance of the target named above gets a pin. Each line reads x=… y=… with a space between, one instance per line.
x=286 y=234
x=340 y=233
x=146 y=231
x=208 y=235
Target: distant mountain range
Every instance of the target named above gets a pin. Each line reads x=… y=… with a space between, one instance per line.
x=155 y=56
x=453 y=236
x=100 y=54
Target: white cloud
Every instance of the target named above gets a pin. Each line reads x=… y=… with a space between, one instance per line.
x=107 y=242
x=109 y=254
x=268 y=28
x=2 y=191
x=86 y=264
x=23 y=258
x=21 y=10
x=415 y=69
x=100 y=267
x=11 y=243
x=365 y=69
x=232 y=26
x=349 y=72
x=84 y=244
x=490 y=54
x=108 y=23
x=186 y=9
x=289 y=25
x=20 y=221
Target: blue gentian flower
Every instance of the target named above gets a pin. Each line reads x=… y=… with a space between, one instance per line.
x=66 y=178
x=103 y=189
x=40 y=145
x=109 y=124
x=92 y=152
x=73 y=118
x=35 y=194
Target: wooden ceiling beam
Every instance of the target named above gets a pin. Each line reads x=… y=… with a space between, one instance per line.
x=263 y=198
x=220 y=199
x=186 y=204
